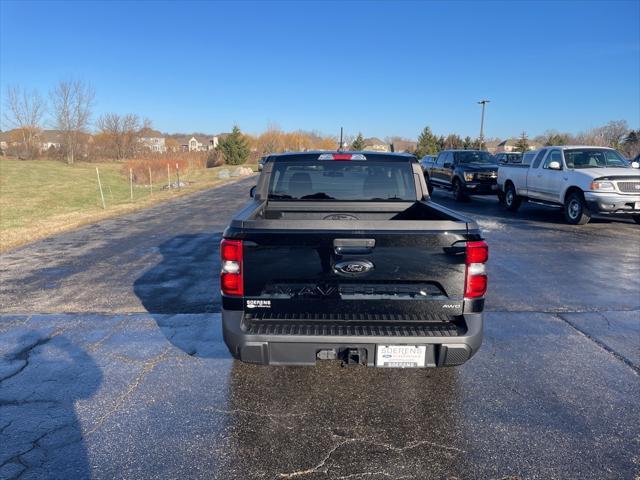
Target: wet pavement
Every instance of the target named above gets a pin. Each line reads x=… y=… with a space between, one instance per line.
x=112 y=363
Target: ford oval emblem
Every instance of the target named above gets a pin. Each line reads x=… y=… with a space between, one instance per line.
x=353 y=268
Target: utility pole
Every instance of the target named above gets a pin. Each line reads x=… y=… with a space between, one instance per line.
x=483 y=103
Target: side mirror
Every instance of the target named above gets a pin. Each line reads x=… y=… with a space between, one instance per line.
x=252 y=191
x=635 y=165
x=555 y=166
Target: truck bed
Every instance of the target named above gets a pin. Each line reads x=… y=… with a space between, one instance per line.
x=424 y=215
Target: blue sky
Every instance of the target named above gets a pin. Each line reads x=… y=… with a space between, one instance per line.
x=383 y=68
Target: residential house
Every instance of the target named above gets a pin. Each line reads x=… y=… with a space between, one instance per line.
x=491 y=146
x=375 y=144
x=43 y=139
x=400 y=146
x=510 y=145
x=50 y=139
x=201 y=143
x=5 y=140
x=153 y=140
x=46 y=141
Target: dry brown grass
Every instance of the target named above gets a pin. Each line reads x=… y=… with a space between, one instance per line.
x=39 y=198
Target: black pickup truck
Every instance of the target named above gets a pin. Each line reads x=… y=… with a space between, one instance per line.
x=464 y=172
x=342 y=255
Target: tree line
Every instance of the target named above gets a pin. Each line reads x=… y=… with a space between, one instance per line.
x=70 y=111
x=431 y=144
x=615 y=134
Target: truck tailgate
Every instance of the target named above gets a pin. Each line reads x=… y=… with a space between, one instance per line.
x=351 y=276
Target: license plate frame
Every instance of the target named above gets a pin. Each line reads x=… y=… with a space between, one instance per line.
x=401 y=356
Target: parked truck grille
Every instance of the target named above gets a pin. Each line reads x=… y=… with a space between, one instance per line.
x=629 y=187
x=488 y=177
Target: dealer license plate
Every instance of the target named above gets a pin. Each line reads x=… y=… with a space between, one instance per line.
x=400 y=356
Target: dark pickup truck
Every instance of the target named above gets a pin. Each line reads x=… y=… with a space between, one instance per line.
x=464 y=172
x=342 y=255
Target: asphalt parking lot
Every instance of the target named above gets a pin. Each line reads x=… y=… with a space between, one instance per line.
x=112 y=363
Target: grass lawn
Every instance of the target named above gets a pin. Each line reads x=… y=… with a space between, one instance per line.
x=41 y=197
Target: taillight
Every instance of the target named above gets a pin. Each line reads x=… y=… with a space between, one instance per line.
x=476 y=275
x=231 y=267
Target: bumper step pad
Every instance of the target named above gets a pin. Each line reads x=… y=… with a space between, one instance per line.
x=382 y=330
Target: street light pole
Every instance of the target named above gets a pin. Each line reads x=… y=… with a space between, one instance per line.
x=483 y=103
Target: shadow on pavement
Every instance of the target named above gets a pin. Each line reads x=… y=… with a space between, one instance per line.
x=41 y=380
x=182 y=293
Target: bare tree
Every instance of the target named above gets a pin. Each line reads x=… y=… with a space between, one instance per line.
x=121 y=132
x=72 y=102
x=24 y=111
x=614 y=132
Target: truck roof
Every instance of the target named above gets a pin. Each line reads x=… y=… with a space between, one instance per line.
x=566 y=147
x=369 y=155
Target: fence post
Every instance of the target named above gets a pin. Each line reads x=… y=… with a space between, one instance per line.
x=131 y=183
x=178 y=174
x=168 y=177
x=150 y=182
x=104 y=207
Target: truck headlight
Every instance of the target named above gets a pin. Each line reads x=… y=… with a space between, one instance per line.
x=468 y=176
x=602 y=186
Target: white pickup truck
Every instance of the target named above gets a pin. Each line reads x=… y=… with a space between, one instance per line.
x=583 y=180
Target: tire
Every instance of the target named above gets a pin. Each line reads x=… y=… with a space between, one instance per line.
x=501 y=197
x=576 y=211
x=429 y=184
x=458 y=191
x=512 y=201
x=636 y=218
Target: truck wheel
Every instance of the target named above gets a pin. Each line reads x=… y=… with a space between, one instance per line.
x=429 y=184
x=636 y=218
x=576 y=211
x=501 y=197
x=458 y=191
x=511 y=200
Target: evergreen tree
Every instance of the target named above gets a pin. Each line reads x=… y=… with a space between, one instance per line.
x=234 y=148
x=467 y=143
x=358 y=143
x=523 y=143
x=427 y=143
x=554 y=138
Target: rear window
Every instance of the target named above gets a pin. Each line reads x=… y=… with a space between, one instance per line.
x=342 y=180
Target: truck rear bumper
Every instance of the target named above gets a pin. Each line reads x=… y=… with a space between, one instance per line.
x=305 y=349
